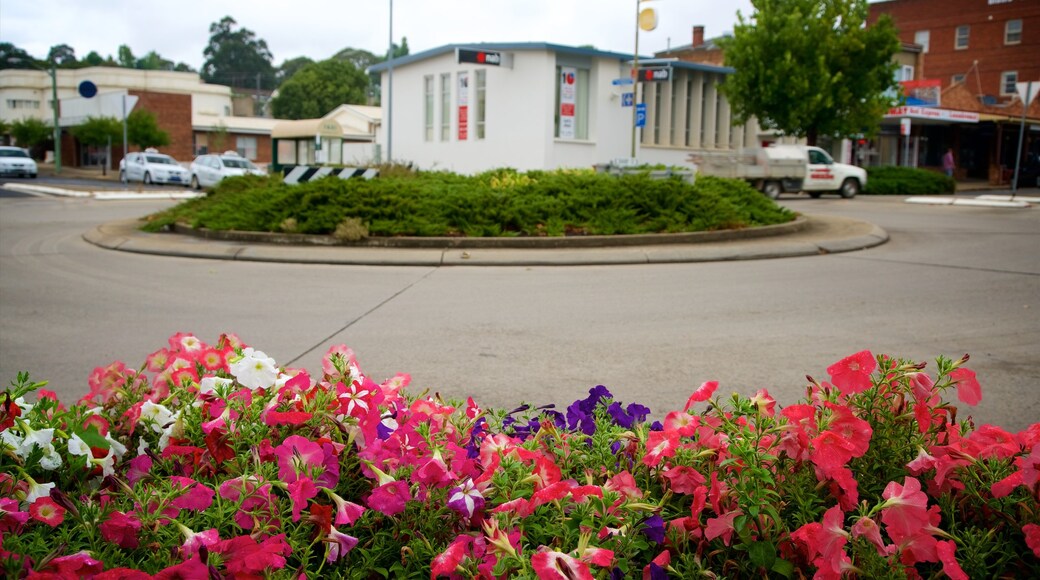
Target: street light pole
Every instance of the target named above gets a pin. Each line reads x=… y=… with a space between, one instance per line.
x=390 y=93
x=635 y=83
x=57 y=129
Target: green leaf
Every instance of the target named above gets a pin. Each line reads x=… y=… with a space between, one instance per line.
x=762 y=554
x=92 y=438
x=783 y=568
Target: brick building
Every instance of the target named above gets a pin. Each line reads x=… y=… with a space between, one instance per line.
x=976 y=51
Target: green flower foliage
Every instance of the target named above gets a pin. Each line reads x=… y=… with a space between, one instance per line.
x=502 y=202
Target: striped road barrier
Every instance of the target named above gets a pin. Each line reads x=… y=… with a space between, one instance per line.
x=304 y=173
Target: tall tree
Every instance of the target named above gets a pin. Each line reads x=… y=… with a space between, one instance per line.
x=62 y=55
x=98 y=130
x=319 y=88
x=291 y=67
x=153 y=61
x=125 y=57
x=30 y=131
x=143 y=130
x=13 y=57
x=236 y=57
x=809 y=68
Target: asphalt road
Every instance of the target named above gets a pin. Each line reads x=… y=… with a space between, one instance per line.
x=951 y=280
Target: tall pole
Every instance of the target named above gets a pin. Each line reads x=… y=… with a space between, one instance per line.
x=57 y=129
x=635 y=83
x=1021 y=134
x=390 y=93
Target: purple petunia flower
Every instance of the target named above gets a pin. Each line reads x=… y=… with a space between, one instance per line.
x=654 y=529
x=466 y=499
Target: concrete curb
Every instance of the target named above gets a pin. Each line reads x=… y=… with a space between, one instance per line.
x=817 y=235
x=102 y=195
x=981 y=201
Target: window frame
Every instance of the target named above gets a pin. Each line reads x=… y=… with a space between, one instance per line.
x=962 y=41
x=1005 y=77
x=445 y=114
x=927 y=34
x=428 y=108
x=1008 y=32
x=480 y=106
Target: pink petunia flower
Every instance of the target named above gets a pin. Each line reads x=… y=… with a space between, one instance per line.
x=390 y=498
x=48 y=512
x=445 y=563
x=1032 y=534
x=186 y=570
x=339 y=544
x=703 y=393
x=852 y=374
x=195 y=497
x=968 y=389
x=683 y=479
x=245 y=555
x=300 y=492
x=659 y=445
x=10 y=517
x=121 y=529
x=905 y=510
x=950 y=566
x=78 y=565
x=550 y=565
x=721 y=526
x=868 y=529
x=346 y=512
x=194 y=540
x=466 y=499
x=298 y=456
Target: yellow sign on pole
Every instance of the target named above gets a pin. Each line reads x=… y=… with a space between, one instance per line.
x=648 y=19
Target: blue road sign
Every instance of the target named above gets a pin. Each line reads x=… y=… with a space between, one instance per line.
x=641 y=115
x=622 y=82
x=627 y=99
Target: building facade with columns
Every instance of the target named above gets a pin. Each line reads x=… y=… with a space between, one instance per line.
x=471 y=108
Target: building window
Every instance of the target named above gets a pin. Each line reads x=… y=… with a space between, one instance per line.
x=446 y=107
x=956 y=79
x=481 y=103
x=572 y=103
x=246 y=147
x=922 y=37
x=286 y=152
x=22 y=104
x=428 y=107
x=1013 y=31
x=905 y=73
x=1007 y=82
x=689 y=109
x=962 y=37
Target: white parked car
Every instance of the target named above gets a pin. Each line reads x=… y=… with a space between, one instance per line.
x=16 y=161
x=208 y=170
x=152 y=167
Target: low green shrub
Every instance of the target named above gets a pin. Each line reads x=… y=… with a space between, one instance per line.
x=502 y=202
x=891 y=180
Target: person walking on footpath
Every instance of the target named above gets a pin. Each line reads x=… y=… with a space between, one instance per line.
x=948 y=164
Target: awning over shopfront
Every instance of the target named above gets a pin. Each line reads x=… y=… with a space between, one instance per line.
x=307 y=128
x=929 y=116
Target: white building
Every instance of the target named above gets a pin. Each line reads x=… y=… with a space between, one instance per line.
x=469 y=108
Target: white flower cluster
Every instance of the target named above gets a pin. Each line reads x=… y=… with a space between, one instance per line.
x=254 y=369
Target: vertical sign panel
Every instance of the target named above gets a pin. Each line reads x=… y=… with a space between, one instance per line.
x=463 y=106
x=568 y=101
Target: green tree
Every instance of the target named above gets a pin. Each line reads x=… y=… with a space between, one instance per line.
x=30 y=132
x=291 y=67
x=95 y=59
x=143 y=130
x=153 y=61
x=62 y=55
x=809 y=68
x=97 y=131
x=237 y=57
x=13 y=57
x=319 y=88
x=359 y=57
x=125 y=57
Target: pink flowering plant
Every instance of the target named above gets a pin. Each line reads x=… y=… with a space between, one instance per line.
x=215 y=462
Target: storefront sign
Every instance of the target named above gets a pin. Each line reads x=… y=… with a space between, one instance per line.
x=568 y=101
x=936 y=114
x=923 y=93
x=463 y=106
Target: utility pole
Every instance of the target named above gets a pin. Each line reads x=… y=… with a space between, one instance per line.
x=390 y=93
x=57 y=128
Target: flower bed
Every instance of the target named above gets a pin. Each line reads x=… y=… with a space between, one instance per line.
x=211 y=461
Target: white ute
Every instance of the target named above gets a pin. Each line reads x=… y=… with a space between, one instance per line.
x=784 y=169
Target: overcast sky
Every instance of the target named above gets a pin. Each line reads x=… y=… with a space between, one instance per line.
x=179 y=29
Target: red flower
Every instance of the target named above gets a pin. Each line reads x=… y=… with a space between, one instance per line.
x=192 y=569
x=447 y=561
x=244 y=555
x=195 y=497
x=950 y=566
x=1032 y=533
x=968 y=389
x=721 y=526
x=78 y=565
x=274 y=418
x=45 y=510
x=559 y=566
x=121 y=529
x=683 y=479
x=905 y=510
x=703 y=393
x=660 y=444
x=852 y=373
x=390 y=498
x=300 y=491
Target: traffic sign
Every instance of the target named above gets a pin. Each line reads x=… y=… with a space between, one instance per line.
x=641 y=115
x=627 y=99
x=621 y=82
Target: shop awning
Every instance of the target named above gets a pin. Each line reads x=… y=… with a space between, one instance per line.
x=929 y=116
x=303 y=128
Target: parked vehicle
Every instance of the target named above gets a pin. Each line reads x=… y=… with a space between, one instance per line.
x=784 y=168
x=208 y=170
x=152 y=167
x=15 y=161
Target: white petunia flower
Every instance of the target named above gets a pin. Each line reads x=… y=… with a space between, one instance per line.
x=175 y=429
x=107 y=463
x=24 y=405
x=11 y=439
x=78 y=446
x=118 y=448
x=210 y=384
x=38 y=490
x=142 y=446
x=157 y=415
x=39 y=438
x=50 y=460
x=255 y=369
